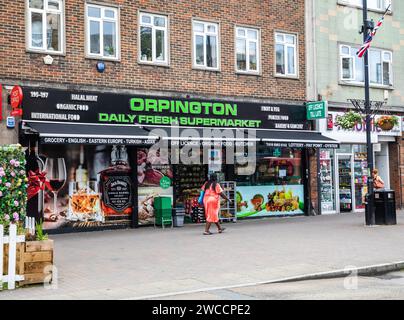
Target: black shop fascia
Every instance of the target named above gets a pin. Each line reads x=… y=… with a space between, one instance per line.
x=94 y=153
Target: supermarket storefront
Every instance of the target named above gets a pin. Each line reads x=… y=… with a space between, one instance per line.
x=116 y=152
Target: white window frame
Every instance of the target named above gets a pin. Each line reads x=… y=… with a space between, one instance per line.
x=204 y=34
x=287 y=74
x=247 y=40
x=44 y=12
x=359 y=4
x=154 y=28
x=352 y=63
x=116 y=20
x=352 y=52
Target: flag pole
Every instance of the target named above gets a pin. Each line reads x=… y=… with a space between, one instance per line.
x=369 y=211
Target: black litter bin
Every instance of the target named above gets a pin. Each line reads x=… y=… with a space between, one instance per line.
x=385 y=207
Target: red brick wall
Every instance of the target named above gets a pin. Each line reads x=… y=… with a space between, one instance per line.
x=74 y=68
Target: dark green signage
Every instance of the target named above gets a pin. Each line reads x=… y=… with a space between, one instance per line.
x=124 y=109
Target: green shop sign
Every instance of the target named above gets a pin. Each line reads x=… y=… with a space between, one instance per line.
x=44 y=104
x=316 y=110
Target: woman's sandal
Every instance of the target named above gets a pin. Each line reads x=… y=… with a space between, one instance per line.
x=207 y=233
x=221 y=230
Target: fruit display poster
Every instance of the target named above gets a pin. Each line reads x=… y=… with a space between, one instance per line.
x=262 y=201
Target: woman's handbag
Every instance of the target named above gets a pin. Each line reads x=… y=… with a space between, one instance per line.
x=200 y=200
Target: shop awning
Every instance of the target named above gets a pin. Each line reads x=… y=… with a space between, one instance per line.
x=208 y=136
x=294 y=139
x=74 y=133
x=240 y=137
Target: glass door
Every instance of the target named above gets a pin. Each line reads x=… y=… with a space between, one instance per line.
x=360 y=179
x=345 y=182
x=327 y=190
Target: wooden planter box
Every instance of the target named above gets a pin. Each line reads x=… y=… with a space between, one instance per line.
x=37 y=262
x=34 y=260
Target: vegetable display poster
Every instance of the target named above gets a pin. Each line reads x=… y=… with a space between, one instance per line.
x=262 y=201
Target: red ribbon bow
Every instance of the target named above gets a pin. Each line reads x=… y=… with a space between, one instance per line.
x=36 y=182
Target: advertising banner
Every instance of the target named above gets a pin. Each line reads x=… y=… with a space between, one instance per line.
x=266 y=201
x=126 y=109
x=155 y=180
x=84 y=188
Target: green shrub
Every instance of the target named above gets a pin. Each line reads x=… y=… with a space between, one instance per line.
x=13 y=185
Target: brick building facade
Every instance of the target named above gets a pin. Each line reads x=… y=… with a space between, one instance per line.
x=73 y=68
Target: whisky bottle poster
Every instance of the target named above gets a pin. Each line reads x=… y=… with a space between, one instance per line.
x=79 y=194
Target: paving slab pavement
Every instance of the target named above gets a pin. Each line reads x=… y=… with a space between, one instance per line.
x=148 y=262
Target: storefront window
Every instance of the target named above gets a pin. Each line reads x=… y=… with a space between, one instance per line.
x=345 y=148
x=276 y=187
x=360 y=175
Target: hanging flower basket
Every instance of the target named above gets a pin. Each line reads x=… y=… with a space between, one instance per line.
x=348 y=120
x=387 y=123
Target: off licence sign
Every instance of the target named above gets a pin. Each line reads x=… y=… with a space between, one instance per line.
x=316 y=110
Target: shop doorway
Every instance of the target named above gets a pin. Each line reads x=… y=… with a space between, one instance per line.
x=344 y=182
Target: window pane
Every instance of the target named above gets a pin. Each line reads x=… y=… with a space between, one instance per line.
x=375 y=66
x=211 y=52
x=290 y=39
x=53 y=31
x=94 y=37
x=280 y=59
x=279 y=38
x=160 y=50
x=159 y=21
x=37 y=4
x=36 y=27
x=198 y=27
x=211 y=28
x=146 y=43
x=109 y=39
x=345 y=50
x=387 y=56
x=199 y=58
x=291 y=60
x=146 y=19
x=386 y=74
x=252 y=34
x=109 y=14
x=53 y=5
x=94 y=12
x=241 y=32
x=359 y=69
x=241 y=55
x=346 y=68
x=253 y=56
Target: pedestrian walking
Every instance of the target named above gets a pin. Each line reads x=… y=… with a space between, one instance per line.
x=378 y=183
x=211 y=202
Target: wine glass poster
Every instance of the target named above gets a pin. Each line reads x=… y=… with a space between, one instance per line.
x=87 y=186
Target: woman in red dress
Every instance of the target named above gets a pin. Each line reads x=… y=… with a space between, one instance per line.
x=211 y=202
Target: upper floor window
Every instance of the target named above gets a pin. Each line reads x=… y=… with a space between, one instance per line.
x=45 y=25
x=247 y=50
x=206 y=45
x=372 y=4
x=286 y=53
x=153 y=38
x=380 y=66
x=102 y=39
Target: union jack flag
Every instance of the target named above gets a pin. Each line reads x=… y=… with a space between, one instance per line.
x=371 y=35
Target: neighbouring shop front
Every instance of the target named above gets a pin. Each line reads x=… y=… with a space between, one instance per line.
x=94 y=161
x=343 y=171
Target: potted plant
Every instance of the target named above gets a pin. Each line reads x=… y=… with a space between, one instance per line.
x=387 y=123
x=348 y=120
